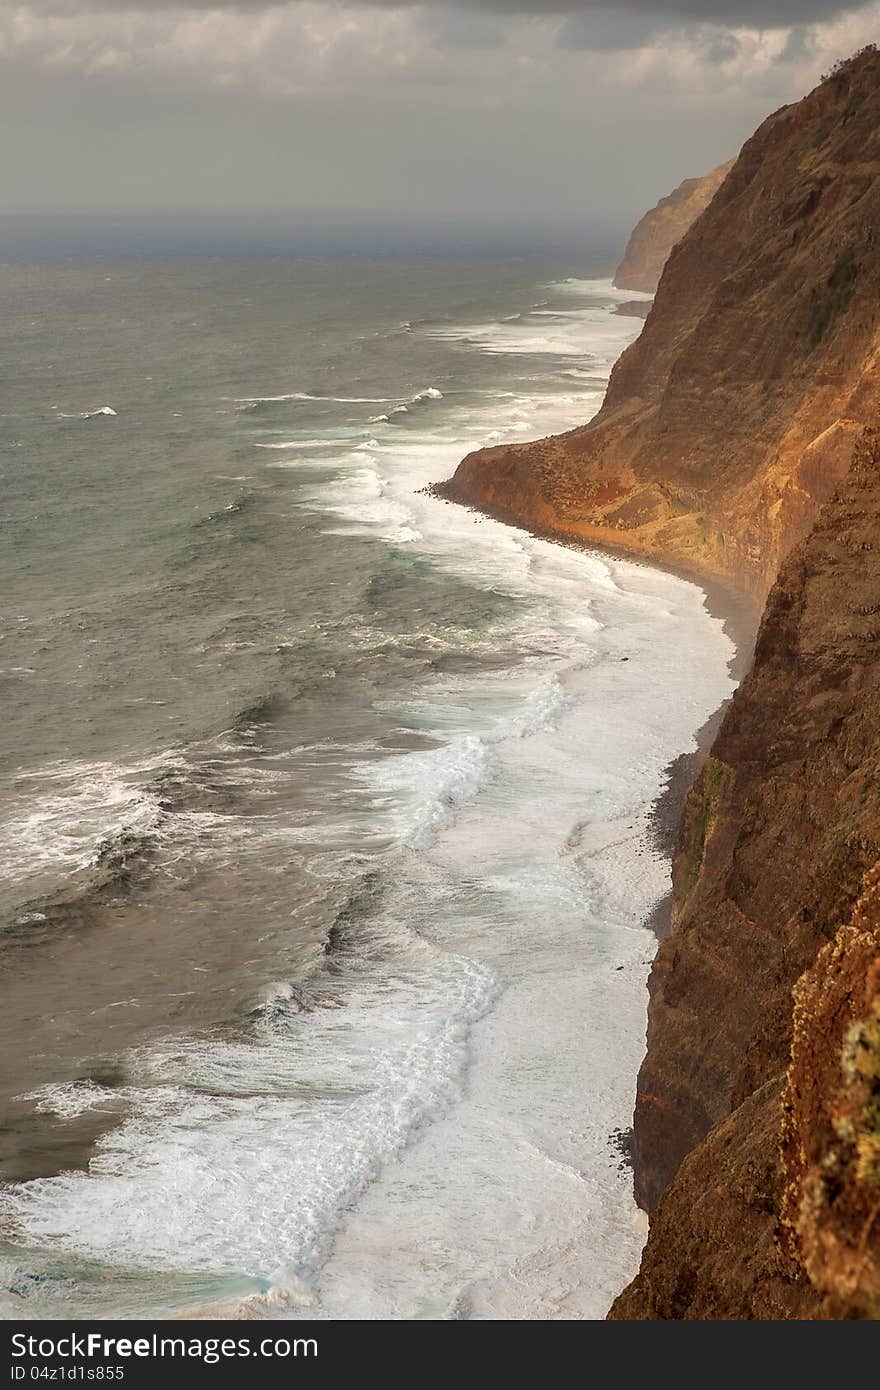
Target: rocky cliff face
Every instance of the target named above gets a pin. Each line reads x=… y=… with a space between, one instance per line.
x=777 y=888
x=660 y=229
x=774 y=1215
x=732 y=418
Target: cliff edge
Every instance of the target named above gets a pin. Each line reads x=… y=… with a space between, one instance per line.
x=653 y=238
x=732 y=418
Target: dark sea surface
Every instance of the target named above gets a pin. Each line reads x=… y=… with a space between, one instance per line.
x=323 y=855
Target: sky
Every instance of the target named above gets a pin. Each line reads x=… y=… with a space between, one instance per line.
x=549 y=116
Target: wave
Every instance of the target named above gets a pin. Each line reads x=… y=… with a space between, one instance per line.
x=88 y=414
x=430 y=393
x=541 y=709
x=302 y=444
x=598 y=287
x=68 y=816
x=263 y=710
x=281 y=1001
x=421 y=792
x=256 y=1182
x=241 y=504
x=364 y=500
x=86 y=833
x=116 y=867
x=254 y=404
x=346 y=929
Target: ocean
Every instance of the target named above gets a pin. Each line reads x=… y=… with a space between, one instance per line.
x=325 y=853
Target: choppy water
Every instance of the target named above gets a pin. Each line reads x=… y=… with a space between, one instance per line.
x=324 y=856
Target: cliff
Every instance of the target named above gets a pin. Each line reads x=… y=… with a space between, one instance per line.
x=655 y=235
x=776 y=1214
x=732 y=417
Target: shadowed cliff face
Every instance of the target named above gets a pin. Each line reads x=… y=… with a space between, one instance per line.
x=660 y=229
x=732 y=417
x=776 y=1214
x=777 y=887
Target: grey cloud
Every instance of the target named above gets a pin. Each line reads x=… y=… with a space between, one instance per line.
x=608 y=31
x=454 y=27
x=799 y=45
x=512 y=113
x=722 y=48
x=754 y=13
x=758 y=13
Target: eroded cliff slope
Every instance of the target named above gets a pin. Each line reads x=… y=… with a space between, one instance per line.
x=660 y=229
x=776 y=1213
x=732 y=417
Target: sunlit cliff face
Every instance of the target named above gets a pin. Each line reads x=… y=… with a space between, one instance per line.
x=381 y=108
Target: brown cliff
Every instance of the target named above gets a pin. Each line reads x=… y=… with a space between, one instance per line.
x=776 y=1214
x=660 y=229
x=732 y=417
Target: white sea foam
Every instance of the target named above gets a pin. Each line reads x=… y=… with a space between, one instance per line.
x=550 y=334
x=418 y=794
x=516 y=1205
x=430 y=393
x=301 y=444
x=308 y=396
x=593 y=288
x=364 y=500
x=256 y=1184
x=59 y=817
x=71 y=1099
x=532 y=817
x=89 y=414
x=590 y=328
x=421 y=792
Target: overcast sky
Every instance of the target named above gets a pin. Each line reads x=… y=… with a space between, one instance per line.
x=552 y=114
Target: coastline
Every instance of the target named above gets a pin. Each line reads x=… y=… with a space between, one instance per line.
x=734 y=613
x=739 y=614
x=502 y=1053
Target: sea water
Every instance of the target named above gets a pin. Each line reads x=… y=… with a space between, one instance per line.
x=325 y=857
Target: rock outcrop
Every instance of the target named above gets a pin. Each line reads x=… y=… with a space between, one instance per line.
x=732 y=417
x=660 y=229
x=776 y=1213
